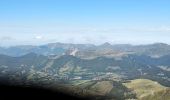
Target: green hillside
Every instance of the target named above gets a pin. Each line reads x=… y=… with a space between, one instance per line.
x=148 y=90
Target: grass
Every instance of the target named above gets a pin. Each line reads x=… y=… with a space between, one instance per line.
x=103 y=87
x=78 y=82
x=148 y=90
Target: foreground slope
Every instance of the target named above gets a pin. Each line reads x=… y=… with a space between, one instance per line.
x=148 y=90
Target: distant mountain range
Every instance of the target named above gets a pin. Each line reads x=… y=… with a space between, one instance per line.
x=154 y=50
x=107 y=71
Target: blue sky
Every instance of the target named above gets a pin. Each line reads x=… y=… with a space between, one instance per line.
x=84 y=21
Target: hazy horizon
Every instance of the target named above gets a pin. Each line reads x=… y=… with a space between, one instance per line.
x=6 y=46
x=38 y=22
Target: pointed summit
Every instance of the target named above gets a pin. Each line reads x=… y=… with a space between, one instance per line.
x=106 y=45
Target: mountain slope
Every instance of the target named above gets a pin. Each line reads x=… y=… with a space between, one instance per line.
x=148 y=90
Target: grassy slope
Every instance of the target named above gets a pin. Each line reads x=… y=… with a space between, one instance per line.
x=107 y=90
x=149 y=90
x=103 y=87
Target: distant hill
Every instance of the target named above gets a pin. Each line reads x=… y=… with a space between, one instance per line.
x=128 y=67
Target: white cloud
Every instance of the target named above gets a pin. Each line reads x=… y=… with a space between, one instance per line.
x=94 y=35
x=38 y=37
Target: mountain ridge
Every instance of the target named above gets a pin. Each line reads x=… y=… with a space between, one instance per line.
x=154 y=50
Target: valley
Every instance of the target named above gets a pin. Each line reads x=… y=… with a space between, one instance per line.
x=111 y=72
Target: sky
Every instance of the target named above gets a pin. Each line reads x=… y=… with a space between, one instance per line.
x=37 y=22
